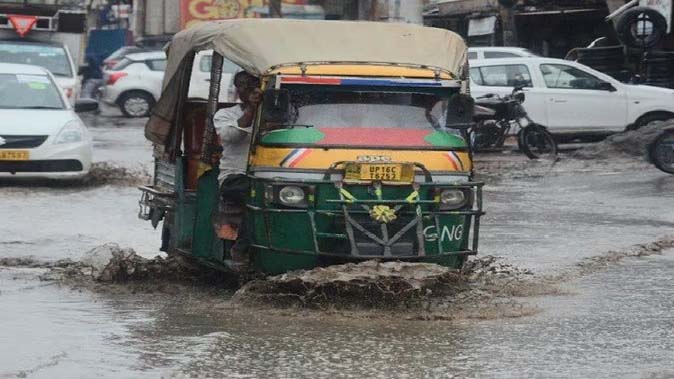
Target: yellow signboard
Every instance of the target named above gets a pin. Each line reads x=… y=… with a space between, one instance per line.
x=193 y=11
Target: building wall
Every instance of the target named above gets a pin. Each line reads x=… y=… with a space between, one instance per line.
x=535 y=24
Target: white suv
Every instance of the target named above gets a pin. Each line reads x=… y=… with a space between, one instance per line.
x=570 y=98
x=490 y=52
x=134 y=84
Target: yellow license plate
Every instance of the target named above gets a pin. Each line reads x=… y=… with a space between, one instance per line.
x=388 y=172
x=14 y=155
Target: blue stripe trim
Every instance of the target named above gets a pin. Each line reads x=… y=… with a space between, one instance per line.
x=289 y=157
x=388 y=83
x=458 y=159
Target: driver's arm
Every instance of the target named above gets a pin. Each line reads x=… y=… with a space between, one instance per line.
x=227 y=123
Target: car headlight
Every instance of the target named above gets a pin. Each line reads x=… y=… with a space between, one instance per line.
x=291 y=196
x=72 y=132
x=452 y=198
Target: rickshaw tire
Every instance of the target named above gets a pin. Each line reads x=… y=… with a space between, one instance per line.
x=652 y=147
x=525 y=148
x=165 y=239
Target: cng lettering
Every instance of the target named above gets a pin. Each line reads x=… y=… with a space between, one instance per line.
x=453 y=233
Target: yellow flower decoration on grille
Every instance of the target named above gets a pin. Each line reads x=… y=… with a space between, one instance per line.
x=383 y=214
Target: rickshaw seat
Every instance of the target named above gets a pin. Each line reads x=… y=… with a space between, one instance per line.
x=194 y=126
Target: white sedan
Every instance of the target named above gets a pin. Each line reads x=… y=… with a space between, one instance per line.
x=40 y=134
x=570 y=98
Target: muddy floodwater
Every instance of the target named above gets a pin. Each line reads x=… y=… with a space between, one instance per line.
x=612 y=318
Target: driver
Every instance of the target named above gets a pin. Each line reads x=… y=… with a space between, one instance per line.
x=233 y=126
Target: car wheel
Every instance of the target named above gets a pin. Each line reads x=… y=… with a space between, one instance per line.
x=136 y=104
x=661 y=152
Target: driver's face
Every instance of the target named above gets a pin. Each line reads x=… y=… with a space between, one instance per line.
x=244 y=86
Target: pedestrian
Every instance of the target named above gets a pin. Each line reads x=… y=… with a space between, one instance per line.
x=92 y=78
x=234 y=127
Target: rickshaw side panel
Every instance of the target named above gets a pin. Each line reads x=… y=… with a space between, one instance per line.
x=206 y=245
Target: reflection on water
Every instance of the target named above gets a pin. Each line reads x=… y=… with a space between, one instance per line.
x=617 y=323
x=551 y=222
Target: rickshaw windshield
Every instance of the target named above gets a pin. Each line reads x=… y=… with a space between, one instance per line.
x=367 y=116
x=326 y=107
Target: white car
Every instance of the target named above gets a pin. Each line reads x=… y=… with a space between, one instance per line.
x=134 y=84
x=40 y=134
x=53 y=56
x=571 y=98
x=201 y=74
x=490 y=52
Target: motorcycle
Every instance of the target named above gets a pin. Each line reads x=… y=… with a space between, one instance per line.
x=661 y=151
x=495 y=116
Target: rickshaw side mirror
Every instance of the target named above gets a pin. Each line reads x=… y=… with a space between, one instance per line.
x=276 y=105
x=460 y=111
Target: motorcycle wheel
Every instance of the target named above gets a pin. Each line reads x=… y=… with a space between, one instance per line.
x=485 y=135
x=536 y=142
x=661 y=152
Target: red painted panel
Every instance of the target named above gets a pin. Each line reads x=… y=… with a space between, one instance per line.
x=374 y=137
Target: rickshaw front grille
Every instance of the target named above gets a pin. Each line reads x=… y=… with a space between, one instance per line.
x=406 y=246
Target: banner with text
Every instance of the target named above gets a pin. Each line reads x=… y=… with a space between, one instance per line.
x=193 y=11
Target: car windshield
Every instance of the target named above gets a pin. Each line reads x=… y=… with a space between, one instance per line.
x=23 y=91
x=344 y=107
x=53 y=58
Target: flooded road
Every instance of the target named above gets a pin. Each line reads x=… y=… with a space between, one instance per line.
x=613 y=322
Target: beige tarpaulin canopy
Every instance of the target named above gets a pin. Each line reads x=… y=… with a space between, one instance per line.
x=259 y=45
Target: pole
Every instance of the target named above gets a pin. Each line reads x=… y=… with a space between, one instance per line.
x=373 y=10
x=275 y=9
x=210 y=143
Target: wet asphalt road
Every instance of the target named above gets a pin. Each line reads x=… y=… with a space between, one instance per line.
x=613 y=323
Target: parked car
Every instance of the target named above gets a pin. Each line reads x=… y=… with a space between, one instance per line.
x=121 y=53
x=201 y=73
x=570 y=98
x=134 y=84
x=53 y=56
x=40 y=134
x=490 y=52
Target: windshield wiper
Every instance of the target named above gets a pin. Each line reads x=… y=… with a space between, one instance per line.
x=292 y=126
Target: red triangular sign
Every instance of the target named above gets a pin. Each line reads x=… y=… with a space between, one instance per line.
x=22 y=24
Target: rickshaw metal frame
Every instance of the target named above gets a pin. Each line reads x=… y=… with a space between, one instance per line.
x=474 y=214
x=437 y=71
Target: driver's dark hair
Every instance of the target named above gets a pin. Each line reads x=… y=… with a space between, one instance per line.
x=243 y=75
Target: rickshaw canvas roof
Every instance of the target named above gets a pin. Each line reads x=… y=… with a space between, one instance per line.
x=260 y=45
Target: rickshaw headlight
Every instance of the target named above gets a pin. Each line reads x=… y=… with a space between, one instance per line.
x=292 y=196
x=452 y=198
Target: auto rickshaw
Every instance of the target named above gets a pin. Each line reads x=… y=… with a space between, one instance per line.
x=358 y=149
